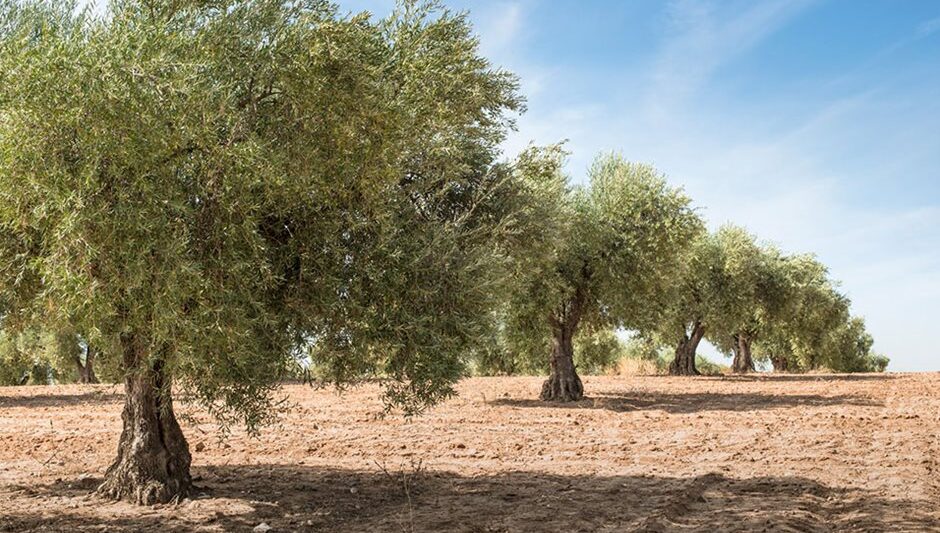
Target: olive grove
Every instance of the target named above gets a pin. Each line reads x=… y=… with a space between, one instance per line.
x=198 y=196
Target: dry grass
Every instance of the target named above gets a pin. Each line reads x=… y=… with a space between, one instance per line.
x=631 y=366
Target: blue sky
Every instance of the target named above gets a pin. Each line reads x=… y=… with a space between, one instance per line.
x=814 y=123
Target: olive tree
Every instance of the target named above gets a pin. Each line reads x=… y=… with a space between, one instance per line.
x=813 y=328
x=850 y=349
x=692 y=302
x=598 y=258
x=813 y=309
x=753 y=297
x=208 y=189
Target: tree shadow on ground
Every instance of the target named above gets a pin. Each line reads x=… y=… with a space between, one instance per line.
x=53 y=399
x=298 y=498
x=685 y=403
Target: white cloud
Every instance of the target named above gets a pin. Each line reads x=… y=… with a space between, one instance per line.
x=701 y=37
x=928 y=28
x=500 y=27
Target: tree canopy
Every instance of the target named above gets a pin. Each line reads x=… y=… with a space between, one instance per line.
x=754 y=294
x=693 y=301
x=599 y=258
x=784 y=309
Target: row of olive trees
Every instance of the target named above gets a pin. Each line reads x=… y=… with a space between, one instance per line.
x=626 y=251
x=209 y=190
x=41 y=357
x=754 y=302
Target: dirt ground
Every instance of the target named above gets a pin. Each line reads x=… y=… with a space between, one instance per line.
x=784 y=453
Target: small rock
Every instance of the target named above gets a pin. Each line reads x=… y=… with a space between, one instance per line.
x=353 y=490
x=262 y=528
x=200 y=446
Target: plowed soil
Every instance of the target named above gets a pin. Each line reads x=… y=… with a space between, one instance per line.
x=765 y=453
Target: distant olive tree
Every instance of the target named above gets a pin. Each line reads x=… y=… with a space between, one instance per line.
x=692 y=302
x=753 y=297
x=814 y=308
x=784 y=310
x=208 y=189
x=598 y=259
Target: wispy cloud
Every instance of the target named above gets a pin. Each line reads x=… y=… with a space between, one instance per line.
x=701 y=37
x=500 y=27
x=928 y=28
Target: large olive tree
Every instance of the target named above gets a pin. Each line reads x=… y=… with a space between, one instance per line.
x=207 y=189
x=600 y=257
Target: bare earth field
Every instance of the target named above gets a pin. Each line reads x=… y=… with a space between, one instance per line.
x=784 y=453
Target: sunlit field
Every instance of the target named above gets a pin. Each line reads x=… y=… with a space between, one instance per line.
x=782 y=453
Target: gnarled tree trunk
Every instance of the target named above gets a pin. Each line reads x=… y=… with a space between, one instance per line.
x=152 y=464
x=86 y=370
x=684 y=362
x=563 y=383
x=743 y=362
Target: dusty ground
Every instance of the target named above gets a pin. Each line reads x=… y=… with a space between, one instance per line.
x=789 y=453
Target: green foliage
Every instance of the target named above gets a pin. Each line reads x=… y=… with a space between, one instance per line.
x=695 y=295
x=849 y=349
x=877 y=362
x=238 y=185
x=231 y=183
x=799 y=336
x=814 y=329
x=598 y=256
x=38 y=357
x=643 y=355
x=648 y=349
x=753 y=289
x=16 y=364
x=596 y=352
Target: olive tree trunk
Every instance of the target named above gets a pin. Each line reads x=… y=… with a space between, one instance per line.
x=86 y=370
x=684 y=362
x=743 y=362
x=563 y=383
x=152 y=464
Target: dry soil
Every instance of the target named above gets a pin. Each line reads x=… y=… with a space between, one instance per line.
x=764 y=453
